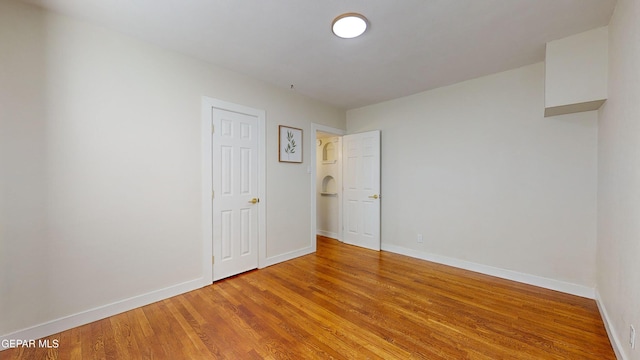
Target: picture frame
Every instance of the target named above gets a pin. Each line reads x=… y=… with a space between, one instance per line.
x=289 y=144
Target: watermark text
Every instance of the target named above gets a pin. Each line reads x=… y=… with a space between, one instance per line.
x=30 y=343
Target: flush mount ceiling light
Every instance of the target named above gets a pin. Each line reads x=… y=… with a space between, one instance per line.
x=349 y=25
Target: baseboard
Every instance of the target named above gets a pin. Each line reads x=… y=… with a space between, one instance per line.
x=287 y=256
x=101 y=312
x=611 y=330
x=546 y=283
x=328 y=234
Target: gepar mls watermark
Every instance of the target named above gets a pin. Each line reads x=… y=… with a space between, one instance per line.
x=29 y=343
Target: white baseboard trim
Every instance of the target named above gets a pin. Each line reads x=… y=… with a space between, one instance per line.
x=328 y=234
x=573 y=289
x=611 y=330
x=287 y=256
x=101 y=312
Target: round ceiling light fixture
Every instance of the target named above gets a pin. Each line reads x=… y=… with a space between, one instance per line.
x=349 y=25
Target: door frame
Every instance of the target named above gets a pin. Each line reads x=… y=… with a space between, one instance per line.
x=314 y=172
x=208 y=104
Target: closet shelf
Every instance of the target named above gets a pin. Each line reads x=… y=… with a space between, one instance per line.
x=328 y=194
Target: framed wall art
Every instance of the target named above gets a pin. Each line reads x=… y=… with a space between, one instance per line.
x=289 y=144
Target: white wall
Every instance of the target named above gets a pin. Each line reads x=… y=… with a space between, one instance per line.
x=478 y=170
x=100 y=144
x=618 y=260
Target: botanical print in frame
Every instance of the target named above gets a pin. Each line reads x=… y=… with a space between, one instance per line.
x=289 y=144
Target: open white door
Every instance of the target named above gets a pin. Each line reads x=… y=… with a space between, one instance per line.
x=235 y=200
x=361 y=172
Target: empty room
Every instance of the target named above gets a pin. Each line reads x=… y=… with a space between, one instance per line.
x=220 y=179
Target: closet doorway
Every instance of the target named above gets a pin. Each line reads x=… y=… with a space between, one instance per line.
x=327 y=182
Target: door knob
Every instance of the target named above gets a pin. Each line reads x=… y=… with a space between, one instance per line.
x=374 y=196
x=254 y=200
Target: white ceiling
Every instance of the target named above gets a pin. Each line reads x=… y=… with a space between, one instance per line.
x=411 y=45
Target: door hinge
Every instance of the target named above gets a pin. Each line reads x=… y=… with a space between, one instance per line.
x=212 y=129
x=212 y=194
x=213 y=259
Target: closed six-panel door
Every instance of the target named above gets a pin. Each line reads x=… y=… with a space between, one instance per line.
x=235 y=184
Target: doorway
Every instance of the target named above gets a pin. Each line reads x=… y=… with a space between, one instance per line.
x=356 y=189
x=326 y=183
x=329 y=185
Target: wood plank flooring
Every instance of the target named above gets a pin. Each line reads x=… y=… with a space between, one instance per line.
x=344 y=302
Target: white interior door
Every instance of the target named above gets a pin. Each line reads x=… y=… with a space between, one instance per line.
x=235 y=198
x=361 y=208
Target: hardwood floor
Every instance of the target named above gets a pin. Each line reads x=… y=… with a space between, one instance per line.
x=347 y=303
